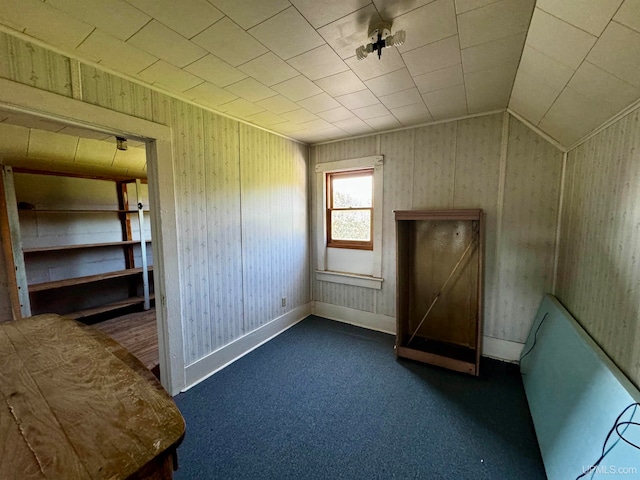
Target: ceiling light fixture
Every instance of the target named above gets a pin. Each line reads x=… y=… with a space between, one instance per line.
x=121 y=143
x=380 y=37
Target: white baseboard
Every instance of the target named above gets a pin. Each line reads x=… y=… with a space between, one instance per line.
x=216 y=361
x=359 y=318
x=499 y=349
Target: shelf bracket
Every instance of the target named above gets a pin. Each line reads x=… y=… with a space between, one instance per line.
x=143 y=247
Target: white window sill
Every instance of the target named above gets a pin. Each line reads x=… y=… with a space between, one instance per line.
x=365 y=281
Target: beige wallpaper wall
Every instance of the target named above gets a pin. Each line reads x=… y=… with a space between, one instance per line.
x=599 y=263
x=241 y=194
x=460 y=165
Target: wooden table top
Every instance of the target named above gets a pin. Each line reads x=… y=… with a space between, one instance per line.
x=76 y=405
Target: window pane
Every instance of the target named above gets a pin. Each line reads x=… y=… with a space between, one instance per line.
x=351 y=225
x=352 y=191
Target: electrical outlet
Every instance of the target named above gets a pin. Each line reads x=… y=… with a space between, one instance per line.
x=284 y=301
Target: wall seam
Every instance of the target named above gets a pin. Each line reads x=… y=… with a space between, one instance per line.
x=556 y=253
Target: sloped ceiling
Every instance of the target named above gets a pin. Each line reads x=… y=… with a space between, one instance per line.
x=290 y=66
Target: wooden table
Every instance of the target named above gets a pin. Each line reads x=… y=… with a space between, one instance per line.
x=76 y=405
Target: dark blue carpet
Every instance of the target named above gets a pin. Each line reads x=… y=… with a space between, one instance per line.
x=325 y=400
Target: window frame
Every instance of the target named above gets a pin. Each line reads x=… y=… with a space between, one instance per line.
x=350 y=244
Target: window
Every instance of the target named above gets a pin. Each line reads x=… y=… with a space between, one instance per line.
x=350 y=209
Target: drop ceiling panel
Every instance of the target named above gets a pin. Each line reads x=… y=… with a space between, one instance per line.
x=297 y=88
x=494 y=21
x=589 y=15
x=215 y=70
x=319 y=103
x=115 y=17
x=50 y=145
x=327 y=11
x=559 y=40
x=389 y=10
x=240 y=108
x=405 y=98
x=427 y=24
x=618 y=52
x=544 y=68
x=354 y=126
x=299 y=116
x=531 y=97
x=210 y=94
x=287 y=34
x=443 y=78
x=446 y=103
x=318 y=63
x=170 y=77
x=187 y=17
x=336 y=114
x=114 y=53
x=228 y=41
x=371 y=67
x=251 y=90
x=414 y=114
x=95 y=151
x=266 y=119
x=14 y=140
x=363 y=98
x=388 y=122
x=131 y=159
x=248 y=13
x=436 y=56
x=467 y=5
x=349 y=32
x=629 y=14
x=278 y=104
x=317 y=124
x=491 y=54
x=390 y=82
x=372 y=111
x=269 y=69
x=341 y=83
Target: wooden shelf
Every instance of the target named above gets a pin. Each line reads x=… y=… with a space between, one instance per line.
x=109 y=307
x=82 y=246
x=70 y=282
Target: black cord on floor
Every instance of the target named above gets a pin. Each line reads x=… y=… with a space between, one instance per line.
x=535 y=337
x=614 y=428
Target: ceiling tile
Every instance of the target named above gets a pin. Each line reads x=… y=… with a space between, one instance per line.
x=545 y=69
x=402 y=99
x=492 y=82
x=229 y=42
x=187 y=17
x=361 y=99
x=427 y=24
x=590 y=15
x=438 y=55
x=287 y=34
x=317 y=124
x=629 y=14
x=248 y=13
x=14 y=140
x=114 y=17
x=349 y=32
x=116 y=54
x=467 y=5
x=30 y=121
x=132 y=158
x=167 y=76
x=278 y=104
x=372 y=111
x=354 y=126
x=327 y=11
x=390 y=10
x=43 y=144
x=372 y=67
x=341 y=84
x=269 y=69
x=266 y=119
x=447 y=103
x=414 y=114
x=297 y=88
x=319 y=103
x=299 y=116
x=286 y=128
x=336 y=114
x=216 y=71
x=490 y=54
x=250 y=89
x=95 y=151
x=494 y=21
x=209 y=94
x=40 y=20
x=240 y=108
x=387 y=122
x=446 y=77
x=531 y=98
x=618 y=52
x=318 y=63
x=390 y=82
x=559 y=40
x=86 y=133
x=601 y=86
x=164 y=43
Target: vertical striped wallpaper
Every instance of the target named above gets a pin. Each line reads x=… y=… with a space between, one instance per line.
x=241 y=200
x=458 y=165
x=599 y=263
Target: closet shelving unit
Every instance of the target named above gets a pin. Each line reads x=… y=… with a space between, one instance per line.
x=19 y=258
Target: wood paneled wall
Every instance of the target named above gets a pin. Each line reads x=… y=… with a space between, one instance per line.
x=599 y=262
x=241 y=194
x=463 y=164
